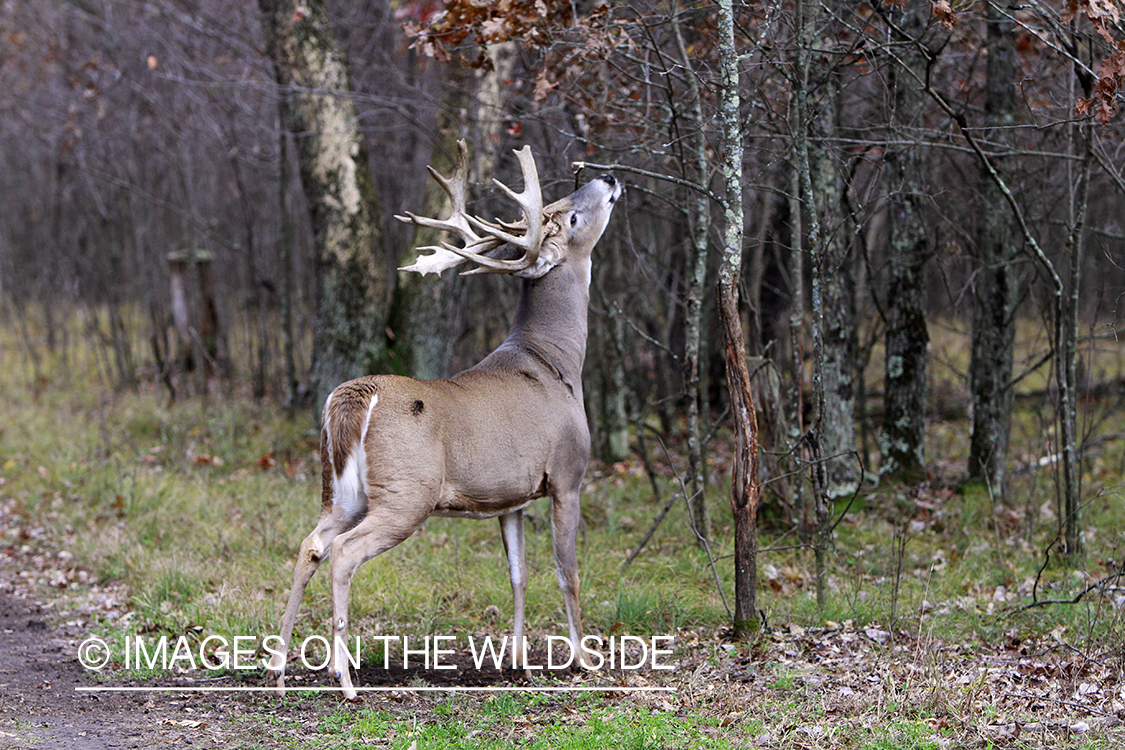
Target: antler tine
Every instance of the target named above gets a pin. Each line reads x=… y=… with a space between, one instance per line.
x=456 y=186
x=530 y=201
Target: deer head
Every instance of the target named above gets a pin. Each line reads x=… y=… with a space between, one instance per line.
x=546 y=236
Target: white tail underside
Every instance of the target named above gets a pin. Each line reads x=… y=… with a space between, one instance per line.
x=349 y=486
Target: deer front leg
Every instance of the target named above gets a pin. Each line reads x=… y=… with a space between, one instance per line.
x=511 y=530
x=312 y=553
x=565 y=517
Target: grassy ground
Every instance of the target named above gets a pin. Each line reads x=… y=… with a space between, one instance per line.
x=146 y=519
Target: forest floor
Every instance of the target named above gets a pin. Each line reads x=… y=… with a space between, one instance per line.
x=841 y=686
x=949 y=618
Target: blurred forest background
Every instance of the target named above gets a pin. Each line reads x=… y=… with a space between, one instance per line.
x=911 y=170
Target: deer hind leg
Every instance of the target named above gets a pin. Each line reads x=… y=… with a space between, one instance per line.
x=565 y=517
x=312 y=553
x=511 y=530
x=380 y=530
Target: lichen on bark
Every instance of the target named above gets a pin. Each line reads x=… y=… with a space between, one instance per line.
x=314 y=88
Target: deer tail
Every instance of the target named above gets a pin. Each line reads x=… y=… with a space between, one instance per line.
x=343 y=458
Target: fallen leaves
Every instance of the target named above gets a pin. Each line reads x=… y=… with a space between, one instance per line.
x=1035 y=690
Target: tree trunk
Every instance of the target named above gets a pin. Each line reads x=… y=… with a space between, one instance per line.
x=1066 y=359
x=614 y=427
x=349 y=337
x=904 y=410
x=285 y=257
x=698 y=211
x=821 y=491
x=426 y=312
x=795 y=385
x=997 y=290
x=833 y=265
x=744 y=477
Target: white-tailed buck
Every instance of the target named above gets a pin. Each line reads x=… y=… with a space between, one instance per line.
x=484 y=443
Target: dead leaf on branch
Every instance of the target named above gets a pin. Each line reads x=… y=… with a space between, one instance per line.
x=1111 y=75
x=944 y=11
x=543 y=86
x=1098 y=10
x=494 y=30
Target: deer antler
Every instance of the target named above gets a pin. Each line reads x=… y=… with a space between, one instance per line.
x=461 y=223
x=456 y=187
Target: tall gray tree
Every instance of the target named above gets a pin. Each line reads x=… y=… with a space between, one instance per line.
x=349 y=337
x=996 y=291
x=833 y=266
x=904 y=408
x=831 y=435
x=697 y=215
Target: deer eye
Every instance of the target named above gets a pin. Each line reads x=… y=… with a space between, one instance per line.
x=573 y=219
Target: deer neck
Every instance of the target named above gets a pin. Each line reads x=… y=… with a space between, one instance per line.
x=550 y=320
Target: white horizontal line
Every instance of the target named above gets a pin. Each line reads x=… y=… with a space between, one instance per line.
x=323 y=689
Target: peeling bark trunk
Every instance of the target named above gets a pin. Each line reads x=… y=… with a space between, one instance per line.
x=744 y=491
x=349 y=338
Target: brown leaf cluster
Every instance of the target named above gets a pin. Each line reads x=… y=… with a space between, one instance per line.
x=1105 y=17
x=588 y=61
x=465 y=24
x=1111 y=75
x=945 y=13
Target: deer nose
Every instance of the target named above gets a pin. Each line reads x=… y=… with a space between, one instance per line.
x=616 y=188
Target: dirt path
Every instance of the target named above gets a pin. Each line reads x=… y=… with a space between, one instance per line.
x=43 y=705
x=40 y=631
x=41 y=708
x=38 y=702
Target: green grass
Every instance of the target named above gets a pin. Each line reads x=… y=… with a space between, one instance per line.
x=510 y=719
